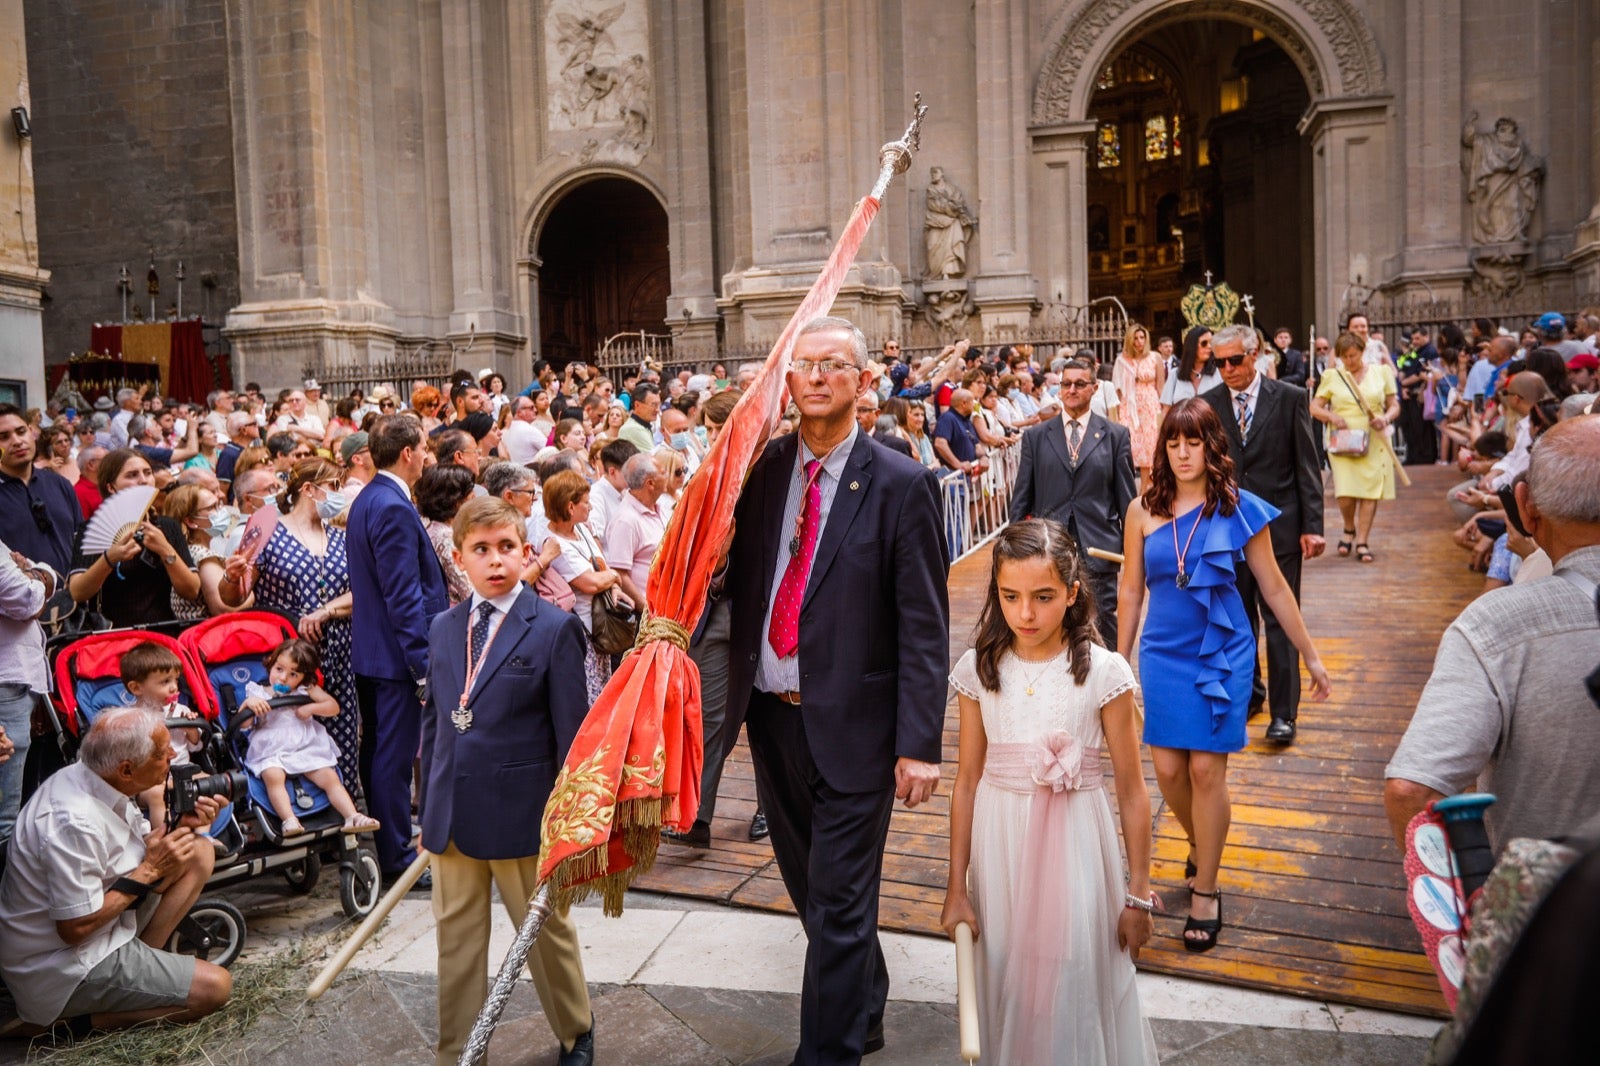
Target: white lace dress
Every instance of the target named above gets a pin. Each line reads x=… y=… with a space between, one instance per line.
x=1053 y=985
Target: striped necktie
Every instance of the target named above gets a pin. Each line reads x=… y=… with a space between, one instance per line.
x=1244 y=417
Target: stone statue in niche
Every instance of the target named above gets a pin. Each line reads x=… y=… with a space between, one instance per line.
x=1503 y=183
x=947 y=226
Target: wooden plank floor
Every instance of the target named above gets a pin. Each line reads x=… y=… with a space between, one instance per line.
x=1314 y=904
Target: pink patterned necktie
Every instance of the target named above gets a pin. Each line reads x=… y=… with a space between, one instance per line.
x=784 y=632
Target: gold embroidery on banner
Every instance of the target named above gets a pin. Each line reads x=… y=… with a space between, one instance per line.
x=581 y=805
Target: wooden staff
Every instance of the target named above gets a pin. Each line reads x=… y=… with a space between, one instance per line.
x=1399 y=470
x=364 y=931
x=967 y=991
x=1101 y=553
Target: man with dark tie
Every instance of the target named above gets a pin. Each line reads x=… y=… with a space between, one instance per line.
x=838 y=660
x=1274 y=456
x=1077 y=468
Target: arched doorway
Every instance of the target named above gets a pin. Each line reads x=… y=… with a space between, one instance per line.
x=604 y=268
x=1197 y=166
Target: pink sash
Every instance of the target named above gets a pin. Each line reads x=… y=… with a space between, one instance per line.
x=1050 y=769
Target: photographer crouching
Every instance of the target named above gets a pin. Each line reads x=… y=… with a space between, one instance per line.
x=91 y=892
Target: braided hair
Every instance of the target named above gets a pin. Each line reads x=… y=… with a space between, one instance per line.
x=1036 y=538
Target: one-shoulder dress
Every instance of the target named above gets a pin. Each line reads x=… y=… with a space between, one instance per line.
x=1198 y=650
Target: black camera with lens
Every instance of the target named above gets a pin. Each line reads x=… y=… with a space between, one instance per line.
x=190 y=783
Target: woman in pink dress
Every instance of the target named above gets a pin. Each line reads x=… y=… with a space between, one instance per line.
x=1139 y=376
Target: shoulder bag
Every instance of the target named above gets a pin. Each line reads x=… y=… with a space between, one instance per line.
x=1351 y=443
x=612 y=626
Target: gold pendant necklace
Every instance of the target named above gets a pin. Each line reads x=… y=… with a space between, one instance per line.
x=1028 y=687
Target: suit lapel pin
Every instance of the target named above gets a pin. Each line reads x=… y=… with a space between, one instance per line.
x=854 y=485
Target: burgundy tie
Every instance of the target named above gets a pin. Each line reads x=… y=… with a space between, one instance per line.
x=784 y=632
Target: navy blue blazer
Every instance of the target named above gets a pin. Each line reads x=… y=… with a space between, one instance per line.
x=396 y=583
x=487 y=787
x=874 y=623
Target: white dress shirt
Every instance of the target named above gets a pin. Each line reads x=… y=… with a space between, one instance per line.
x=21 y=641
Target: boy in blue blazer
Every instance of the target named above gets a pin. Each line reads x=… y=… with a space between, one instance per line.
x=505 y=699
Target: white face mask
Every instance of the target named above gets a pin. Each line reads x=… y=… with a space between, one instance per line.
x=221 y=522
x=332 y=505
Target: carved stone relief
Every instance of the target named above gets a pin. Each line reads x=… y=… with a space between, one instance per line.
x=1503 y=183
x=598 y=77
x=1355 y=50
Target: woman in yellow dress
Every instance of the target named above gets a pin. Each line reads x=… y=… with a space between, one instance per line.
x=1359 y=482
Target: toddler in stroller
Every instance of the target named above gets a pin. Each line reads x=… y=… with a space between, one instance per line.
x=152 y=674
x=286 y=740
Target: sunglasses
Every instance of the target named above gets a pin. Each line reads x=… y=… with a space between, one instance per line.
x=1231 y=360
x=386 y=404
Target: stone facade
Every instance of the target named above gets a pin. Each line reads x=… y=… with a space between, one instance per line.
x=390 y=166
x=21 y=280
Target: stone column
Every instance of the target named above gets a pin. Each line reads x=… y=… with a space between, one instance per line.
x=21 y=280
x=1004 y=287
x=1434 y=249
x=474 y=35
x=1355 y=209
x=1060 y=202
x=683 y=134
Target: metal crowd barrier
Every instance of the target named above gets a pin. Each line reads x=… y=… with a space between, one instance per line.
x=977 y=507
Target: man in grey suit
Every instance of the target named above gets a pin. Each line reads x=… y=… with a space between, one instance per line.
x=1078 y=469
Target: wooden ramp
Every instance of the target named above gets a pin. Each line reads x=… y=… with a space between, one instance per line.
x=1314 y=889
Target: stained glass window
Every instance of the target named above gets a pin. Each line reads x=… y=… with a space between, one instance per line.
x=1155 y=137
x=1108 y=147
x=1107 y=79
x=1177 y=138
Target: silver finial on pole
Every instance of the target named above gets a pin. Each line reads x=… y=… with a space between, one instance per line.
x=895 y=157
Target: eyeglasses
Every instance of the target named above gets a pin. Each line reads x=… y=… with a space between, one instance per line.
x=385 y=404
x=1232 y=360
x=1069 y=386
x=828 y=367
x=866 y=410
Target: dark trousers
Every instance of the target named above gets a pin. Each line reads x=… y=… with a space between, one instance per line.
x=391 y=731
x=829 y=846
x=1282 y=689
x=711 y=656
x=1103 y=583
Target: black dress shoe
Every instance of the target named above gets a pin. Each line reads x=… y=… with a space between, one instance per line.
x=582 y=1053
x=698 y=836
x=1281 y=731
x=874 y=1038
x=758 y=827
x=423 y=883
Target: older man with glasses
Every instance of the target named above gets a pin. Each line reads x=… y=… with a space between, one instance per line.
x=39 y=511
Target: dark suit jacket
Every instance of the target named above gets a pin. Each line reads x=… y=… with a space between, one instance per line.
x=1280 y=462
x=895 y=443
x=875 y=622
x=487 y=787
x=396 y=583
x=1292 y=367
x=1097 y=493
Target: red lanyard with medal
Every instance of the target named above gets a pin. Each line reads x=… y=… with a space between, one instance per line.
x=461 y=717
x=1183 y=576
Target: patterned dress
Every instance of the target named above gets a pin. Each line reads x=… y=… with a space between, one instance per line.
x=1140 y=411
x=295 y=581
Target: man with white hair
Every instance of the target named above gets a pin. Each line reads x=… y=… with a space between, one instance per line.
x=127 y=407
x=93 y=892
x=636 y=529
x=299 y=422
x=521 y=441
x=1506 y=709
x=219 y=405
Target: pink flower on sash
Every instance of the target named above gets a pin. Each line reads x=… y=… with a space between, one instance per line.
x=1055 y=761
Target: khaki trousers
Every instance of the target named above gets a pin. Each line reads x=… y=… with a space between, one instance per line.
x=461 y=913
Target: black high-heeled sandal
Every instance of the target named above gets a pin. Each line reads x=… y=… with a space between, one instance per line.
x=1363 y=552
x=1208 y=928
x=1346 y=542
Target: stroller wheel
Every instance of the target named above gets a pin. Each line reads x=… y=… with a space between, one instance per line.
x=360 y=884
x=302 y=876
x=213 y=930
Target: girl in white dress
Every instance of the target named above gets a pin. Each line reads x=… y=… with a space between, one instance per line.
x=286 y=741
x=1034 y=865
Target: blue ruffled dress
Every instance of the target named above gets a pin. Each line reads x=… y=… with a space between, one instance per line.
x=1197 y=653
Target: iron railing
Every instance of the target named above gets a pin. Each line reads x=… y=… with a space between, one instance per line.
x=977 y=506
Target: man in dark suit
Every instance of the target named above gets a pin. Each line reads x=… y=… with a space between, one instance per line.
x=397 y=588
x=1292 y=368
x=506 y=697
x=1274 y=456
x=1078 y=469
x=838 y=661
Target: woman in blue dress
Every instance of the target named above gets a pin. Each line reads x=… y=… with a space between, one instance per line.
x=1182 y=541
x=303 y=572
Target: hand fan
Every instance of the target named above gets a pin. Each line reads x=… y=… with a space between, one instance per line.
x=116 y=518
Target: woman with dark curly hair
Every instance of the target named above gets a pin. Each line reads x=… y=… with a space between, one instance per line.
x=1181 y=541
x=440 y=492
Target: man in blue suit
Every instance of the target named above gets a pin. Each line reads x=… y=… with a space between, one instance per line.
x=839 y=655
x=397 y=588
x=505 y=699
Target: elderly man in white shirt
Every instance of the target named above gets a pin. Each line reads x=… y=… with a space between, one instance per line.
x=91 y=889
x=521 y=441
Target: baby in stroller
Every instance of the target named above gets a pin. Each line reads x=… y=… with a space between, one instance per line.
x=286 y=740
x=152 y=674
